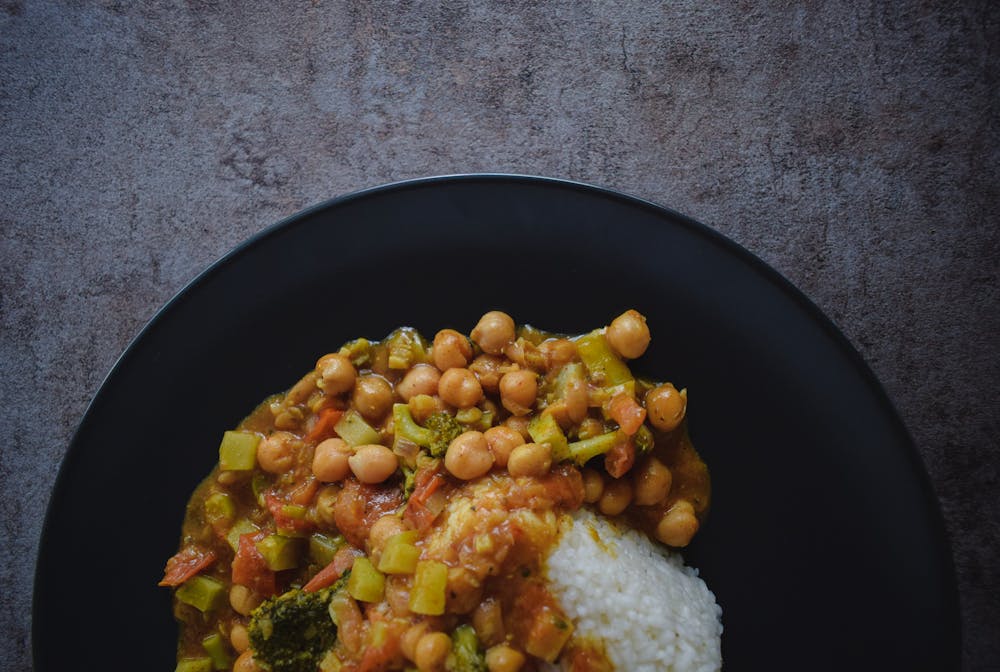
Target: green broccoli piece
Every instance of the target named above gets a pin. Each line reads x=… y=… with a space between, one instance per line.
x=445 y=428
x=293 y=631
x=465 y=655
x=436 y=434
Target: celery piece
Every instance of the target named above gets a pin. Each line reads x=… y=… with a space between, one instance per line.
x=201 y=592
x=400 y=555
x=353 y=429
x=215 y=647
x=219 y=508
x=430 y=582
x=293 y=512
x=280 y=552
x=407 y=428
x=605 y=368
x=582 y=451
x=544 y=429
x=238 y=451
x=241 y=527
x=259 y=484
x=322 y=548
x=365 y=583
x=194 y=665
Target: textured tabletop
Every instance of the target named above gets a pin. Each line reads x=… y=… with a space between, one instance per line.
x=853 y=146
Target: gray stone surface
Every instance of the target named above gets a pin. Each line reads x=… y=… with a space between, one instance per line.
x=853 y=146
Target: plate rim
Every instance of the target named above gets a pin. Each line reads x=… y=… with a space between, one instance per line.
x=759 y=266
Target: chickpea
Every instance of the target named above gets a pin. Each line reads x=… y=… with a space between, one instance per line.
x=460 y=388
x=576 y=400
x=593 y=485
x=518 y=391
x=409 y=640
x=326 y=500
x=531 y=459
x=502 y=440
x=451 y=350
x=276 y=453
x=337 y=373
x=665 y=406
x=557 y=351
x=397 y=595
x=493 y=332
x=678 y=524
x=616 y=498
x=239 y=638
x=387 y=526
x=489 y=369
x=421 y=379
x=330 y=460
x=431 y=651
x=502 y=658
x=373 y=463
x=652 y=482
x=422 y=406
x=628 y=334
x=468 y=456
x=243 y=600
x=372 y=396
x=519 y=423
x=246 y=663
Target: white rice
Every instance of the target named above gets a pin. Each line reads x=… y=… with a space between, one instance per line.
x=648 y=610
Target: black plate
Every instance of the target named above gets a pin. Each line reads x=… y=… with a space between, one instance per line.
x=824 y=547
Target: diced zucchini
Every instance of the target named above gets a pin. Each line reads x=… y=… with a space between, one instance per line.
x=366 y=583
x=400 y=555
x=201 y=592
x=280 y=552
x=604 y=366
x=292 y=512
x=238 y=451
x=194 y=665
x=240 y=528
x=219 y=509
x=353 y=429
x=430 y=582
x=322 y=548
x=544 y=429
x=215 y=647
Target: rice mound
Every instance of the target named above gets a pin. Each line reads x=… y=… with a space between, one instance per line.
x=635 y=598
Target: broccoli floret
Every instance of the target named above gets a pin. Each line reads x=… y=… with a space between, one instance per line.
x=465 y=655
x=293 y=631
x=445 y=428
x=436 y=434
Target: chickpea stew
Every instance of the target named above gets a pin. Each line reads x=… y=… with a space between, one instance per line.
x=393 y=509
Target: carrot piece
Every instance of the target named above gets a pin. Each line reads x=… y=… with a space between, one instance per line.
x=426 y=483
x=323 y=429
x=627 y=412
x=620 y=458
x=342 y=561
x=249 y=567
x=186 y=563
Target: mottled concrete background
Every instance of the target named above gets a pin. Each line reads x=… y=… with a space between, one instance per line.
x=852 y=145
